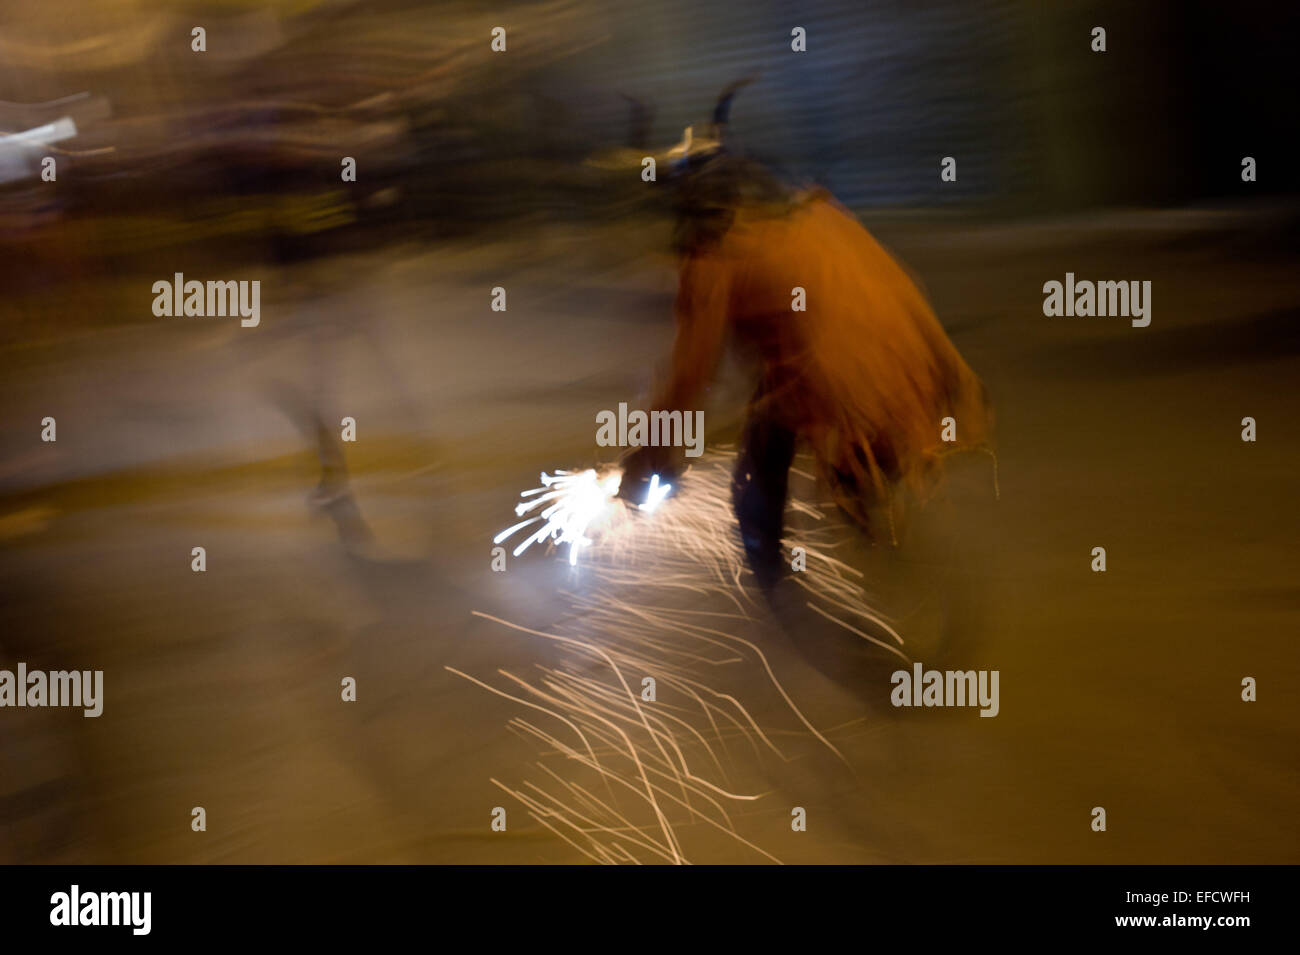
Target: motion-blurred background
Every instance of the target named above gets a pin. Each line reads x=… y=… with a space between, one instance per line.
x=479 y=169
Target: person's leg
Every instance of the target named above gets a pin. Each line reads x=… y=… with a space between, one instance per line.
x=758 y=492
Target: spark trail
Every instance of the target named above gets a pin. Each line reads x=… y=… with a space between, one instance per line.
x=659 y=591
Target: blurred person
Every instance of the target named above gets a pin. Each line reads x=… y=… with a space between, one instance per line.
x=864 y=375
x=272 y=162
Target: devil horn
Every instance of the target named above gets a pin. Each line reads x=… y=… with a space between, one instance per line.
x=722 y=111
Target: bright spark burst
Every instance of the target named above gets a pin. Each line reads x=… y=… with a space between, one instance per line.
x=579 y=504
x=657 y=493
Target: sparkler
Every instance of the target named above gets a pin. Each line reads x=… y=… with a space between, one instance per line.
x=579 y=504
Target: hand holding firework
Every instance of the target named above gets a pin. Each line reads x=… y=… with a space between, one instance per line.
x=644 y=466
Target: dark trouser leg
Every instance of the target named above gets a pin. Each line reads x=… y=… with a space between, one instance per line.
x=758 y=492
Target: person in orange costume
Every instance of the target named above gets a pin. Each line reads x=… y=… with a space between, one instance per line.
x=864 y=375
